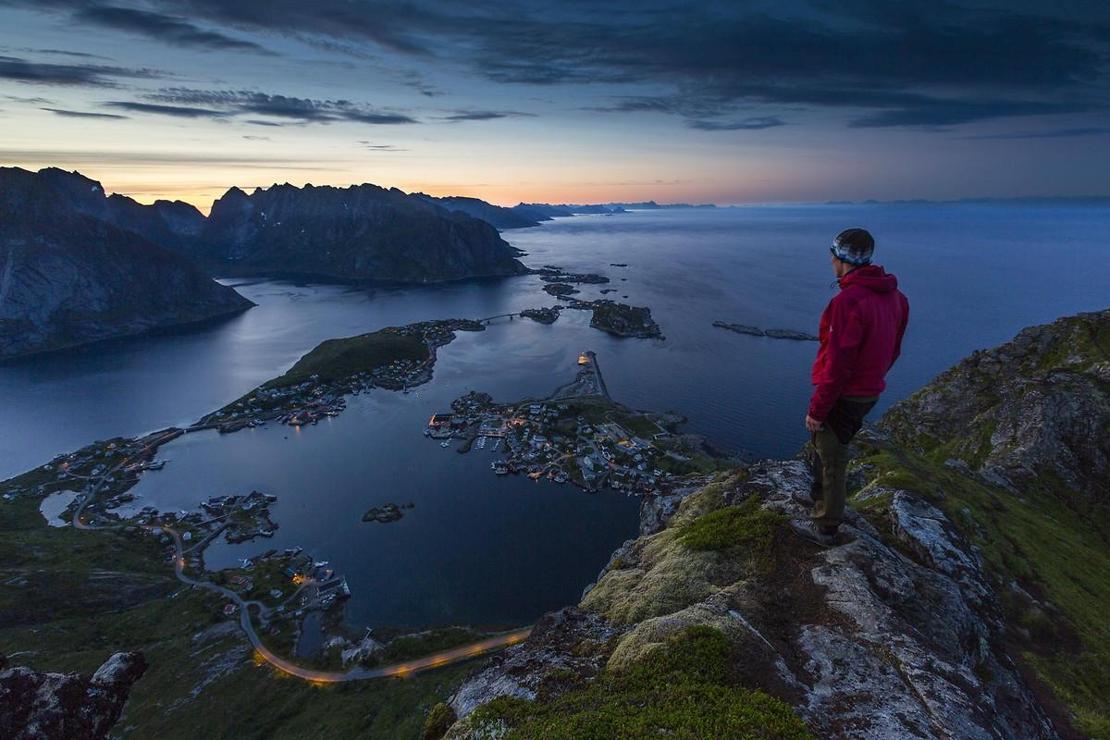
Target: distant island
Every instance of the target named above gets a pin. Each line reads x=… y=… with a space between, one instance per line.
x=755 y=331
x=386 y=513
x=70 y=274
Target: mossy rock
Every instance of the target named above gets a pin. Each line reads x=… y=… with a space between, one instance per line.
x=686 y=688
x=438 y=722
x=668 y=577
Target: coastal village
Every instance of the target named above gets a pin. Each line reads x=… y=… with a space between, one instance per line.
x=394 y=358
x=577 y=435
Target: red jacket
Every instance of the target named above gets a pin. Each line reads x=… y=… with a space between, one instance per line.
x=861 y=337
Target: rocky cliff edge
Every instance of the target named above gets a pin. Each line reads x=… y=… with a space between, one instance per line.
x=966 y=596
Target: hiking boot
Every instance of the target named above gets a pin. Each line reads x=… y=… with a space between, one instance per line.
x=810 y=530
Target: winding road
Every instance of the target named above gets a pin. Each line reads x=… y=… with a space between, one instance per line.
x=358 y=673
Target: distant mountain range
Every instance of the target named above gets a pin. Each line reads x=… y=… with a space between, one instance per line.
x=524 y=215
x=71 y=274
x=362 y=232
x=1064 y=200
x=78 y=266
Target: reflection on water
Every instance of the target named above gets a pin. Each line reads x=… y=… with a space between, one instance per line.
x=53 y=505
x=312 y=637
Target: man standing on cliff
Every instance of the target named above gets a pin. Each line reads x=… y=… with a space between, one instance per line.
x=861 y=337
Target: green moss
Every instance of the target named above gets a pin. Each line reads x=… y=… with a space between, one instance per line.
x=747 y=525
x=438 y=722
x=687 y=689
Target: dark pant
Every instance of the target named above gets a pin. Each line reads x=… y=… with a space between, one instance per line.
x=830 y=458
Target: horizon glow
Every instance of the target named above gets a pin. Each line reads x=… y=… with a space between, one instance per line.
x=522 y=101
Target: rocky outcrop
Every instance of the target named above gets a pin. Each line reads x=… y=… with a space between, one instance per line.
x=877 y=637
x=1030 y=410
x=363 y=232
x=69 y=275
x=66 y=705
x=952 y=603
x=755 y=331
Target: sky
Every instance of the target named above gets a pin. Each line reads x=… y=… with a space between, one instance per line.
x=522 y=100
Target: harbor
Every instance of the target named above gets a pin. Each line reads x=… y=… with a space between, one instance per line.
x=578 y=434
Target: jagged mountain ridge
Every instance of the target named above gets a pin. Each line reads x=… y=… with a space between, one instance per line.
x=362 y=232
x=70 y=276
x=359 y=233
x=499 y=217
x=966 y=597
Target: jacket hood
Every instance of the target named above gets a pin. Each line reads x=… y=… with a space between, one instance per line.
x=872 y=277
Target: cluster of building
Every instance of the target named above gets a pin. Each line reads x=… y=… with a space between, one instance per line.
x=243 y=517
x=74 y=471
x=313 y=399
x=554 y=440
x=281 y=575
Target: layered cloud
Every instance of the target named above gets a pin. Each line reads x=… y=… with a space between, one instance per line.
x=18 y=69
x=194 y=103
x=910 y=63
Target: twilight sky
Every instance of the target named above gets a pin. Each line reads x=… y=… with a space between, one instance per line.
x=726 y=102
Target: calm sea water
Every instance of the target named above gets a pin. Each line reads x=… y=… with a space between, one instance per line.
x=492 y=550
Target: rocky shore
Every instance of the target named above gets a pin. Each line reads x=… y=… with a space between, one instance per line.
x=755 y=331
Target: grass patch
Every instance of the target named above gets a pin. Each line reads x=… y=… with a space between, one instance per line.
x=336 y=359
x=746 y=525
x=408 y=647
x=687 y=689
x=438 y=722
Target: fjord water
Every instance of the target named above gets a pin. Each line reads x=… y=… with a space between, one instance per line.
x=490 y=550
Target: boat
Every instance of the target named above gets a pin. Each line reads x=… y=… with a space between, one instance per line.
x=445 y=443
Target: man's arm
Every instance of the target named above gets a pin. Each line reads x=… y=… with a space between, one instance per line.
x=901 y=332
x=845 y=337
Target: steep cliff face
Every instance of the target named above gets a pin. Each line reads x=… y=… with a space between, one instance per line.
x=966 y=596
x=358 y=233
x=61 y=706
x=172 y=224
x=69 y=276
x=499 y=217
